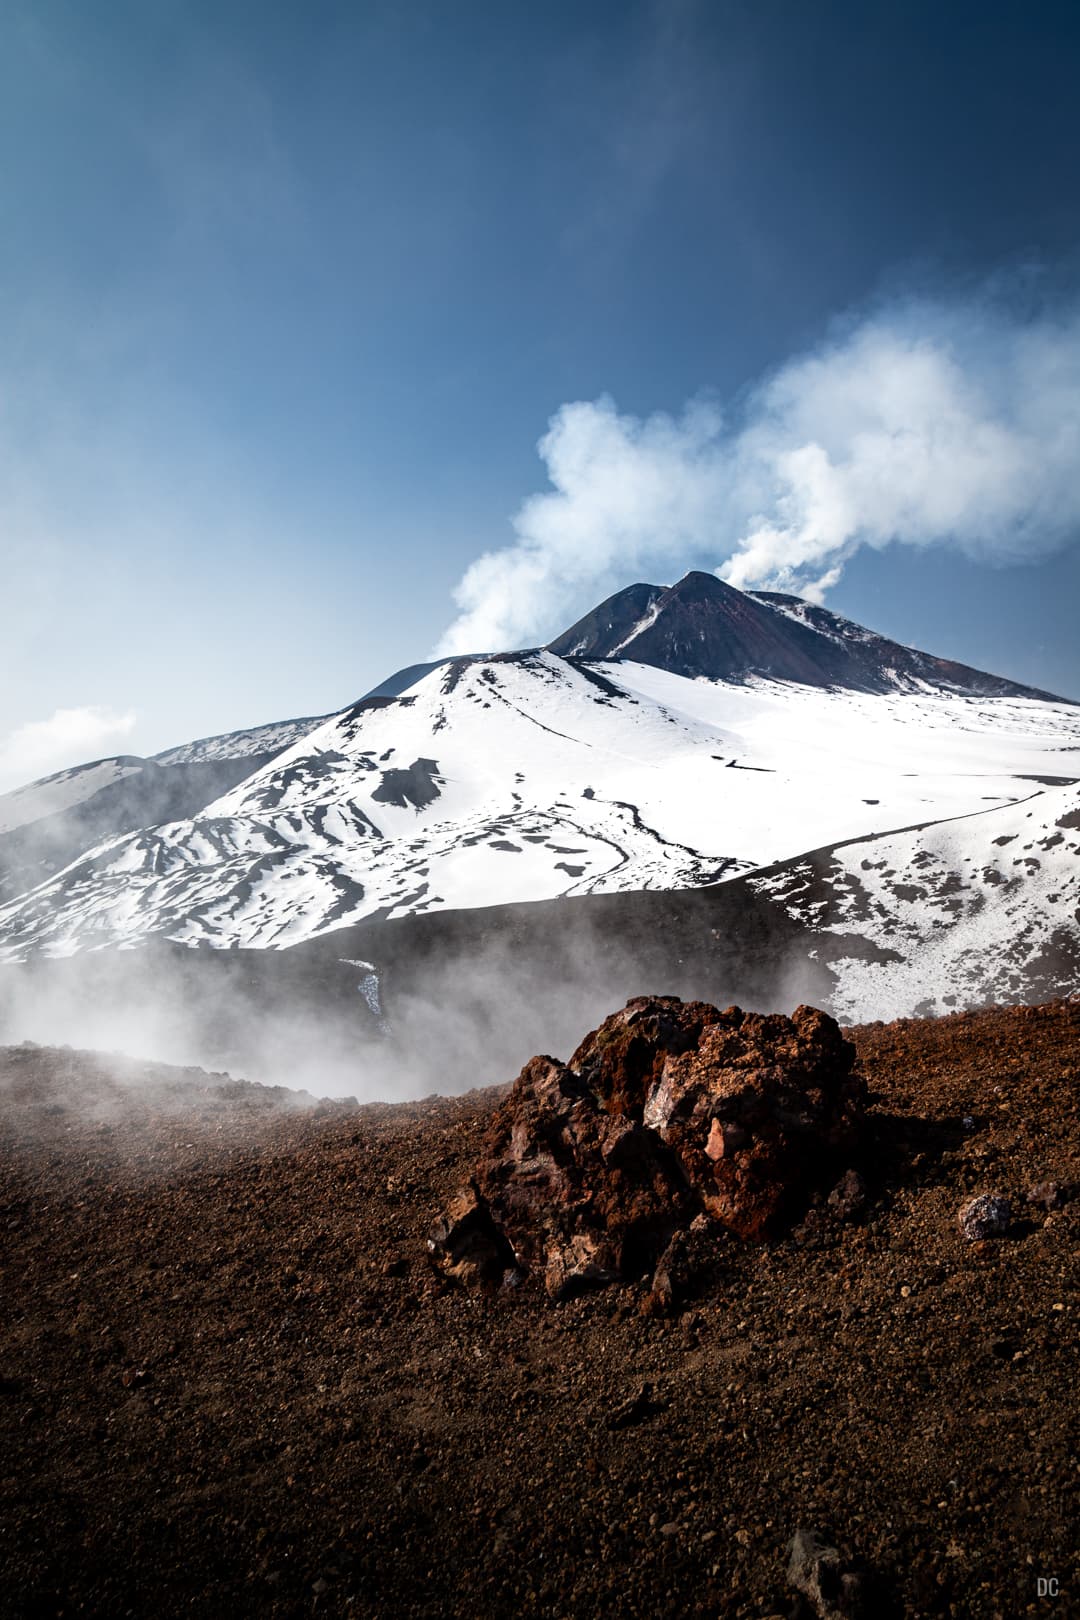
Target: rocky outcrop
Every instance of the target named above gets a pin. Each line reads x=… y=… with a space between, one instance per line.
x=670 y=1113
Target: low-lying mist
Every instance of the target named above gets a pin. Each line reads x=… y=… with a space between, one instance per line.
x=442 y=1003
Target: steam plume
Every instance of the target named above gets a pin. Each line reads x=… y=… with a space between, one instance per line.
x=927 y=422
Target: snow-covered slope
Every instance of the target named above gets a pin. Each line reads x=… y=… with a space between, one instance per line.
x=62 y=791
x=528 y=776
x=49 y=823
x=985 y=908
x=268 y=739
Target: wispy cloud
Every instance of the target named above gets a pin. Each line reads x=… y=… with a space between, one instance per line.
x=637 y=116
x=922 y=423
x=67 y=737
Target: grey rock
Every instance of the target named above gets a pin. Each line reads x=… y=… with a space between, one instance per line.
x=817 y=1570
x=1051 y=1194
x=848 y=1198
x=984 y=1216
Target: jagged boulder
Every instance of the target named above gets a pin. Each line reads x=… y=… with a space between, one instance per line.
x=670 y=1111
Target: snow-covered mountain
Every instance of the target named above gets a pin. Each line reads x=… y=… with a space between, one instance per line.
x=528 y=776
x=52 y=795
x=256 y=743
x=538 y=775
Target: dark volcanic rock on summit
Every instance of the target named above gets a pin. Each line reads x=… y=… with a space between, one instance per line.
x=873 y=663
x=670 y=1111
x=703 y=627
x=698 y=627
x=603 y=631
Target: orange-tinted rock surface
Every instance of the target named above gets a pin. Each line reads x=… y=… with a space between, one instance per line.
x=669 y=1111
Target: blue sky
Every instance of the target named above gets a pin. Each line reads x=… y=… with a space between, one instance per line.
x=289 y=295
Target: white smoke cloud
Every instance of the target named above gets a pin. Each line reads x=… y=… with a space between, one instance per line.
x=931 y=424
x=949 y=422
x=625 y=490
x=67 y=737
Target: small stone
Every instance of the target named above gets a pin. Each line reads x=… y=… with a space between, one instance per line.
x=466 y=1244
x=1049 y=1195
x=669 y=1278
x=817 y=1571
x=635 y=1410
x=671 y=1529
x=984 y=1216
x=848 y=1198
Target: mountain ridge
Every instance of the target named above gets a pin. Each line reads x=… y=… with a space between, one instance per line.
x=701 y=626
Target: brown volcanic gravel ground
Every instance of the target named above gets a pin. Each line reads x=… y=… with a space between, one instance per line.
x=229 y=1384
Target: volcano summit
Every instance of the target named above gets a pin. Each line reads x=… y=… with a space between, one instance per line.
x=701 y=627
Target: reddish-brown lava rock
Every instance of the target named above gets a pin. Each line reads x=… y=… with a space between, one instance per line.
x=668 y=1111
x=581 y=1195
x=624 y=1059
x=760 y=1112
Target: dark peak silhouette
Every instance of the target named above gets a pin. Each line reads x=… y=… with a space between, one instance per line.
x=702 y=627
x=611 y=625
